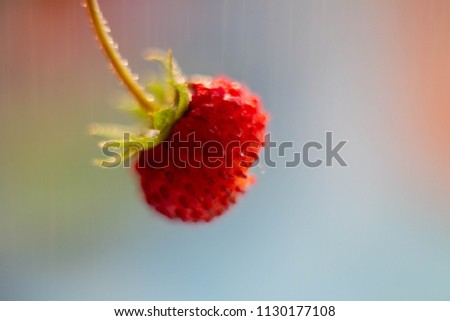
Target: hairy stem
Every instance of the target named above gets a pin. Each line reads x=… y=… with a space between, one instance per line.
x=118 y=63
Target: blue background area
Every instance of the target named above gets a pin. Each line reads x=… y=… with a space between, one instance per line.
x=378 y=229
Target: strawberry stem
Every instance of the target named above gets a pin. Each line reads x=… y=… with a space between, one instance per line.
x=118 y=63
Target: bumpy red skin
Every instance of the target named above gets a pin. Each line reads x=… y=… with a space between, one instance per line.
x=220 y=110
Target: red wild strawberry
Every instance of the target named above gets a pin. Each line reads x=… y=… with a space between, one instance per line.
x=220 y=111
x=197 y=141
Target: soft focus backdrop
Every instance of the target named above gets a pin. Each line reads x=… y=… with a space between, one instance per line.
x=376 y=73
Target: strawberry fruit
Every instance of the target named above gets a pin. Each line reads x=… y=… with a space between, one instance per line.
x=197 y=140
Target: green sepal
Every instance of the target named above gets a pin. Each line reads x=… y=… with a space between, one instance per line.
x=171 y=95
x=159 y=92
x=124 y=155
x=135 y=111
x=182 y=99
x=110 y=131
x=129 y=146
x=173 y=71
x=163 y=118
x=178 y=92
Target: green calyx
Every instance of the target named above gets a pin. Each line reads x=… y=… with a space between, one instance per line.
x=159 y=105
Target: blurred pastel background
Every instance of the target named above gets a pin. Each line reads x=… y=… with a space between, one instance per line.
x=375 y=73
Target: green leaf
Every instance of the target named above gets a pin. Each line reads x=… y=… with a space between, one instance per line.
x=163 y=118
